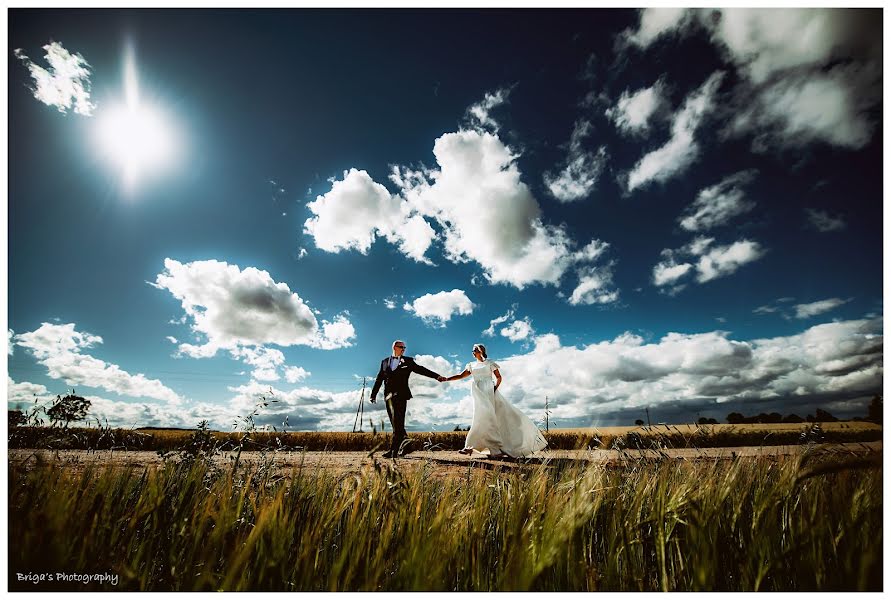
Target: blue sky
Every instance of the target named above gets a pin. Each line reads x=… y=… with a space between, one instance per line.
x=677 y=210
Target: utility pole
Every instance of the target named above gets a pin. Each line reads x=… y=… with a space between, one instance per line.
x=547 y=414
x=360 y=412
x=648 y=417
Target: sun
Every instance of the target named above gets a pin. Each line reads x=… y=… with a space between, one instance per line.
x=136 y=136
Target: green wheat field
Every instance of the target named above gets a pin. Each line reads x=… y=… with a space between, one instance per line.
x=806 y=522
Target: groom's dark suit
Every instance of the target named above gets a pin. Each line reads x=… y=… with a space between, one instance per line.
x=396 y=393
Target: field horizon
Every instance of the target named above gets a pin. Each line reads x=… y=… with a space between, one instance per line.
x=636 y=437
x=840 y=424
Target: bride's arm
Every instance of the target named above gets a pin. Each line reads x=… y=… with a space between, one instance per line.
x=497 y=374
x=458 y=376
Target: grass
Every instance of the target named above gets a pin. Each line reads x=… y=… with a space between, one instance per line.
x=796 y=524
x=670 y=436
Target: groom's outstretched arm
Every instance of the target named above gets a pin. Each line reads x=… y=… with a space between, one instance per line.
x=377 y=383
x=416 y=368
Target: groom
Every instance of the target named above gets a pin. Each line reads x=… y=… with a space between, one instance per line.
x=394 y=373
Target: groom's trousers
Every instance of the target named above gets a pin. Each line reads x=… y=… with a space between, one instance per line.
x=396 y=411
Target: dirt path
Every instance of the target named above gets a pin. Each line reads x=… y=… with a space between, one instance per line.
x=442 y=461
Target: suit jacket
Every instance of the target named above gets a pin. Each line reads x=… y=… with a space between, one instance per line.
x=395 y=382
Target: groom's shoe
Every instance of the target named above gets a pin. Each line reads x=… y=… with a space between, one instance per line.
x=388 y=454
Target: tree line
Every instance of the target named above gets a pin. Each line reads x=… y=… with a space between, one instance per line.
x=821 y=416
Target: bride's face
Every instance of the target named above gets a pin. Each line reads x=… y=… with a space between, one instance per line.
x=477 y=354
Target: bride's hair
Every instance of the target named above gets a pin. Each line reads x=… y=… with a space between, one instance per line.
x=481 y=348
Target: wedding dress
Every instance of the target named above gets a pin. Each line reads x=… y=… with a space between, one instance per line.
x=497 y=425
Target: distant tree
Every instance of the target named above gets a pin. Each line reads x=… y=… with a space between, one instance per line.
x=67 y=409
x=823 y=416
x=735 y=418
x=809 y=418
x=793 y=418
x=702 y=421
x=712 y=421
x=875 y=409
x=16 y=418
x=774 y=417
x=457 y=428
x=639 y=423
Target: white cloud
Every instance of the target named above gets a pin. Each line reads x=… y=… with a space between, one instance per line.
x=433 y=403
x=591 y=252
x=120 y=413
x=678 y=374
x=232 y=307
x=10 y=345
x=338 y=333
x=265 y=361
x=668 y=272
x=67 y=82
x=518 y=330
x=633 y=112
x=766 y=309
x=687 y=372
x=301 y=402
x=439 y=308
x=698 y=246
x=595 y=283
x=717 y=204
x=654 y=23
x=581 y=168
x=479 y=112
x=390 y=303
x=786 y=95
x=487 y=213
x=713 y=261
x=782 y=306
x=805 y=311
x=831 y=107
x=424 y=388
x=724 y=260
x=60 y=348
x=357 y=210
x=594 y=286
x=822 y=221
x=25 y=393
x=765 y=41
x=296 y=374
x=682 y=149
x=498 y=321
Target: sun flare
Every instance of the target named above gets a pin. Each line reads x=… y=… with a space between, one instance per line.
x=136 y=136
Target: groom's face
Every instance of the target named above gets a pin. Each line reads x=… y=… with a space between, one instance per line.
x=398 y=349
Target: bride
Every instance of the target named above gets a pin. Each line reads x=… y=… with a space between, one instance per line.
x=498 y=427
